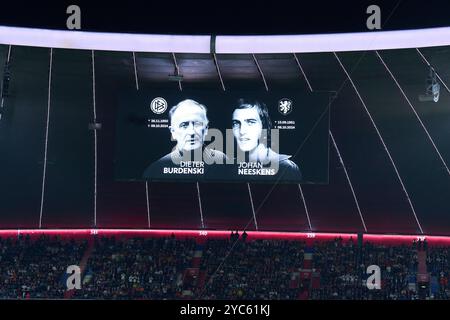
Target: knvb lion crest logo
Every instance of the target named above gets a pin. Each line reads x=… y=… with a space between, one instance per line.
x=285 y=106
x=158 y=105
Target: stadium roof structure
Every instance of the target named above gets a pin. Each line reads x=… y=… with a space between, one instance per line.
x=389 y=151
x=380 y=40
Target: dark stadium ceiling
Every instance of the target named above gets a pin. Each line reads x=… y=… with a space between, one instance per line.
x=236 y=17
x=276 y=68
x=202 y=68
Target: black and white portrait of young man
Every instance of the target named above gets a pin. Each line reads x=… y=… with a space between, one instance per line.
x=252 y=130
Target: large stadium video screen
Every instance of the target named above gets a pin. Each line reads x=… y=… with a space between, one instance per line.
x=231 y=136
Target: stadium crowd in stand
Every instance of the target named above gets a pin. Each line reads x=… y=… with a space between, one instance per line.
x=137 y=268
x=343 y=271
x=36 y=269
x=250 y=270
x=169 y=268
x=438 y=263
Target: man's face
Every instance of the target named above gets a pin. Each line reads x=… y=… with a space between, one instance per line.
x=247 y=128
x=189 y=127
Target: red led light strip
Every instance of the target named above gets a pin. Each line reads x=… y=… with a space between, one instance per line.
x=215 y=234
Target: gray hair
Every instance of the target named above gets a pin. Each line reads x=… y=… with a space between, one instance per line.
x=187 y=102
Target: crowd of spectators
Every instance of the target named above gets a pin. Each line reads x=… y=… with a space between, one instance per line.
x=259 y=269
x=235 y=268
x=343 y=270
x=438 y=265
x=137 y=269
x=37 y=268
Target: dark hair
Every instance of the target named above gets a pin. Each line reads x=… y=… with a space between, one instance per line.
x=263 y=113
